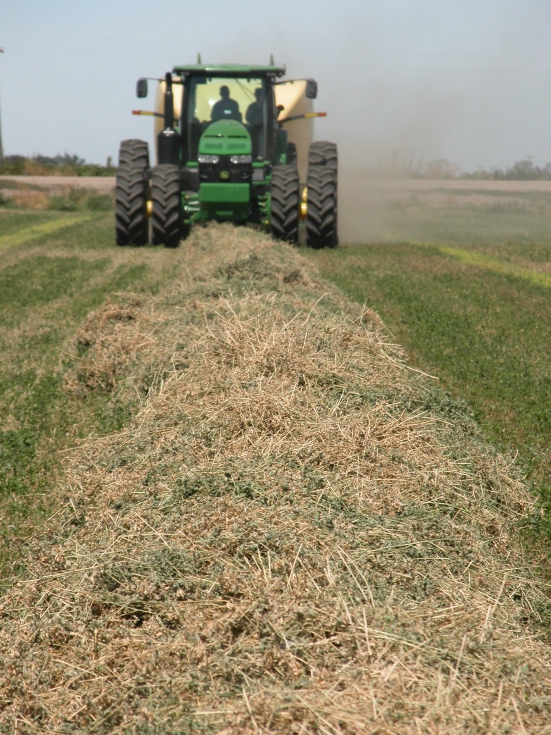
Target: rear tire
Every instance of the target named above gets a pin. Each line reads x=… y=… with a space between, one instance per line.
x=324 y=153
x=166 y=219
x=131 y=223
x=134 y=151
x=321 y=218
x=285 y=193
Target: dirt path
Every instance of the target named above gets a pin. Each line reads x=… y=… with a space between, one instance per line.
x=99 y=183
x=421 y=185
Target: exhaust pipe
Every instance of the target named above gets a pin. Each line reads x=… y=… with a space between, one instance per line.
x=169 y=101
x=168 y=141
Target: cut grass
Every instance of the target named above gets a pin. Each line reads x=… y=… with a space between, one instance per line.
x=26 y=234
x=14 y=220
x=293 y=534
x=524 y=238
x=489 y=263
x=478 y=316
x=56 y=269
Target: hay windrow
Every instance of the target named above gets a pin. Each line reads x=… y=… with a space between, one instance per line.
x=295 y=533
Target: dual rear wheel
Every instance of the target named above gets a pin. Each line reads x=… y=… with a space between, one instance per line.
x=322 y=187
x=131 y=222
x=137 y=185
x=167 y=227
x=322 y=201
x=285 y=203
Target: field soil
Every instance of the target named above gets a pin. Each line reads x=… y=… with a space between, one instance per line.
x=104 y=184
x=290 y=530
x=369 y=208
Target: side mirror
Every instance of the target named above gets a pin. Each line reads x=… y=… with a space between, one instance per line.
x=311 y=89
x=141 y=87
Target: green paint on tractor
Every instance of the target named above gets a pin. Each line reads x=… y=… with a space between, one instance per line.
x=225 y=137
x=224 y=201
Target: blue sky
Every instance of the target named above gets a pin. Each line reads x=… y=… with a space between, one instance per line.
x=466 y=80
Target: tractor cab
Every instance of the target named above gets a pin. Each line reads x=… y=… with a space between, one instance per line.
x=248 y=101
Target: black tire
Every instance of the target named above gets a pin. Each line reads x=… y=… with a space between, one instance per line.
x=285 y=194
x=134 y=151
x=131 y=222
x=324 y=153
x=291 y=154
x=321 y=217
x=166 y=218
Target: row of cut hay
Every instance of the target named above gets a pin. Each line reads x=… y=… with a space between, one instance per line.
x=295 y=533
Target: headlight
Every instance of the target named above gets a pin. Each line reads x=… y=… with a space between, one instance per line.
x=241 y=159
x=208 y=159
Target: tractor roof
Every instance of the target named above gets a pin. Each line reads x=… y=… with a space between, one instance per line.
x=229 y=70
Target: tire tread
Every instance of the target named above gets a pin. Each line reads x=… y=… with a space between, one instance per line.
x=321 y=220
x=324 y=153
x=167 y=226
x=285 y=195
x=134 y=151
x=131 y=224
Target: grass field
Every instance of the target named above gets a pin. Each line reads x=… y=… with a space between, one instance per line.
x=54 y=269
x=465 y=286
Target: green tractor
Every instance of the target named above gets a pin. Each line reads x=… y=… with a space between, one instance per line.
x=234 y=143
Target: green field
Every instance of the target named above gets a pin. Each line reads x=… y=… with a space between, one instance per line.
x=467 y=292
x=54 y=269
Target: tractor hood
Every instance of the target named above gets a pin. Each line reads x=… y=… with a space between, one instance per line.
x=225 y=138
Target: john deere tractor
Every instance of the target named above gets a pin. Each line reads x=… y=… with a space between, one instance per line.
x=232 y=143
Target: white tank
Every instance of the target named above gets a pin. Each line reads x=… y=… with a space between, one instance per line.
x=292 y=95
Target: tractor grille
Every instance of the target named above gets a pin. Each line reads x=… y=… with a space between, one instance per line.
x=225 y=171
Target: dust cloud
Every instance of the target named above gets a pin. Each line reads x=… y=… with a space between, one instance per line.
x=416 y=90
x=428 y=93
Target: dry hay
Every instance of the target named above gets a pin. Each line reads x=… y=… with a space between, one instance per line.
x=112 y=334
x=295 y=533
x=27 y=198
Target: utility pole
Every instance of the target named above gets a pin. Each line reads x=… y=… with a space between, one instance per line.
x=1 y=146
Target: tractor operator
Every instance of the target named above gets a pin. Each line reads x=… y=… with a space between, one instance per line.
x=255 y=111
x=225 y=108
x=255 y=118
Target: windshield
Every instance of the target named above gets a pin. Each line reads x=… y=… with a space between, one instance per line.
x=222 y=98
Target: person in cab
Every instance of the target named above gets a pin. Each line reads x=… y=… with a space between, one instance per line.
x=255 y=116
x=255 y=111
x=225 y=108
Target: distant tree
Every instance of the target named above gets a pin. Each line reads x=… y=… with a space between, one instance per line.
x=441 y=169
x=524 y=170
